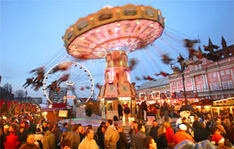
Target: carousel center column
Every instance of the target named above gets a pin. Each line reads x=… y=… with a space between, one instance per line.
x=117 y=94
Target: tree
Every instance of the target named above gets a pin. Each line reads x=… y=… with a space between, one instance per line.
x=7 y=87
x=89 y=109
x=20 y=94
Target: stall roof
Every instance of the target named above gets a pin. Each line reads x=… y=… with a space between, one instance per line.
x=205 y=102
x=157 y=83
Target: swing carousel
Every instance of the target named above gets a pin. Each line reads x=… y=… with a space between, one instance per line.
x=112 y=33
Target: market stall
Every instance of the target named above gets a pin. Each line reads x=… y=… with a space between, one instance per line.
x=223 y=106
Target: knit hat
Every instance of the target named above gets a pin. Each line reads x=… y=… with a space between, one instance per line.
x=183 y=127
x=217 y=138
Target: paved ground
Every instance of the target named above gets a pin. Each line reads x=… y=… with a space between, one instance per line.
x=96 y=120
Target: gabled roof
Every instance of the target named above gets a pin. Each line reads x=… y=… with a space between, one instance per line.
x=157 y=83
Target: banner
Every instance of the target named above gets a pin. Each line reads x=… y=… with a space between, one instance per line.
x=63 y=113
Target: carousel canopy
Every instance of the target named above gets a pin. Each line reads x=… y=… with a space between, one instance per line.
x=129 y=28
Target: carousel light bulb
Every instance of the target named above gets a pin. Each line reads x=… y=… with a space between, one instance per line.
x=159 y=11
x=71 y=28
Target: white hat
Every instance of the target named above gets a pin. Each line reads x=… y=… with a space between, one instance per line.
x=183 y=127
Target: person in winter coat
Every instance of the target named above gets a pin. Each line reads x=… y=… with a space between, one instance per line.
x=101 y=138
x=111 y=135
x=2 y=138
x=182 y=135
x=132 y=132
x=88 y=142
x=22 y=134
x=120 y=111
x=39 y=137
x=123 y=142
x=154 y=131
x=64 y=128
x=73 y=136
x=126 y=112
x=149 y=143
x=217 y=138
x=12 y=139
x=30 y=143
x=57 y=133
x=139 y=137
x=201 y=133
x=49 y=139
x=162 y=140
x=144 y=110
x=100 y=133
x=169 y=133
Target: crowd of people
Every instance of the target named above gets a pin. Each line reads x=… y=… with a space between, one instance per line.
x=32 y=132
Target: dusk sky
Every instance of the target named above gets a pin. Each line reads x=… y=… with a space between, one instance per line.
x=31 y=31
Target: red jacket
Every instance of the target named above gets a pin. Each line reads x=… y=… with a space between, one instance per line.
x=12 y=141
x=169 y=135
x=182 y=136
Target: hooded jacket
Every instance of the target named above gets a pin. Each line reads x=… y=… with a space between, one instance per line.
x=74 y=137
x=49 y=140
x=111 y=137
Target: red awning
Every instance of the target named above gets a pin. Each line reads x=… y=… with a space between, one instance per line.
x=59 y=105
x=1 y=103
x=9 y=105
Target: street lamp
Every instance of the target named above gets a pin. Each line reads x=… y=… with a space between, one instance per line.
x=183 y=65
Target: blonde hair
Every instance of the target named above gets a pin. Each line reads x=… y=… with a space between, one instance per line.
x=160 y=131
x=167 y=125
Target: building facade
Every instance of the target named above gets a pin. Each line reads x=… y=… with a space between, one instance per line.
x=152 y=90
x=211 y=80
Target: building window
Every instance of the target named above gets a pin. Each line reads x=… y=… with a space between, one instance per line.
x=200 y=66
x=190 y=80
x=203 y=87
x=197 y=78
x=201 y=78
x=222 y=73
x=227 y=71
x=214 y=74
x=186 y=80
x=224 y=84
x=198 y=88
x=217 y=86
x=210 y=75
x=230 y=84
x=191 y=68
x=212 y=86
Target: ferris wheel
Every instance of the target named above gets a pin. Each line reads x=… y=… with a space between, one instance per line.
x=68 y=80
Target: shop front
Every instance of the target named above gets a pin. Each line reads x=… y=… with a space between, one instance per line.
x=223 y=106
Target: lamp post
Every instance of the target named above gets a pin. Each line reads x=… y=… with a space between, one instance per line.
x=182 y=68
x=185 y=94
